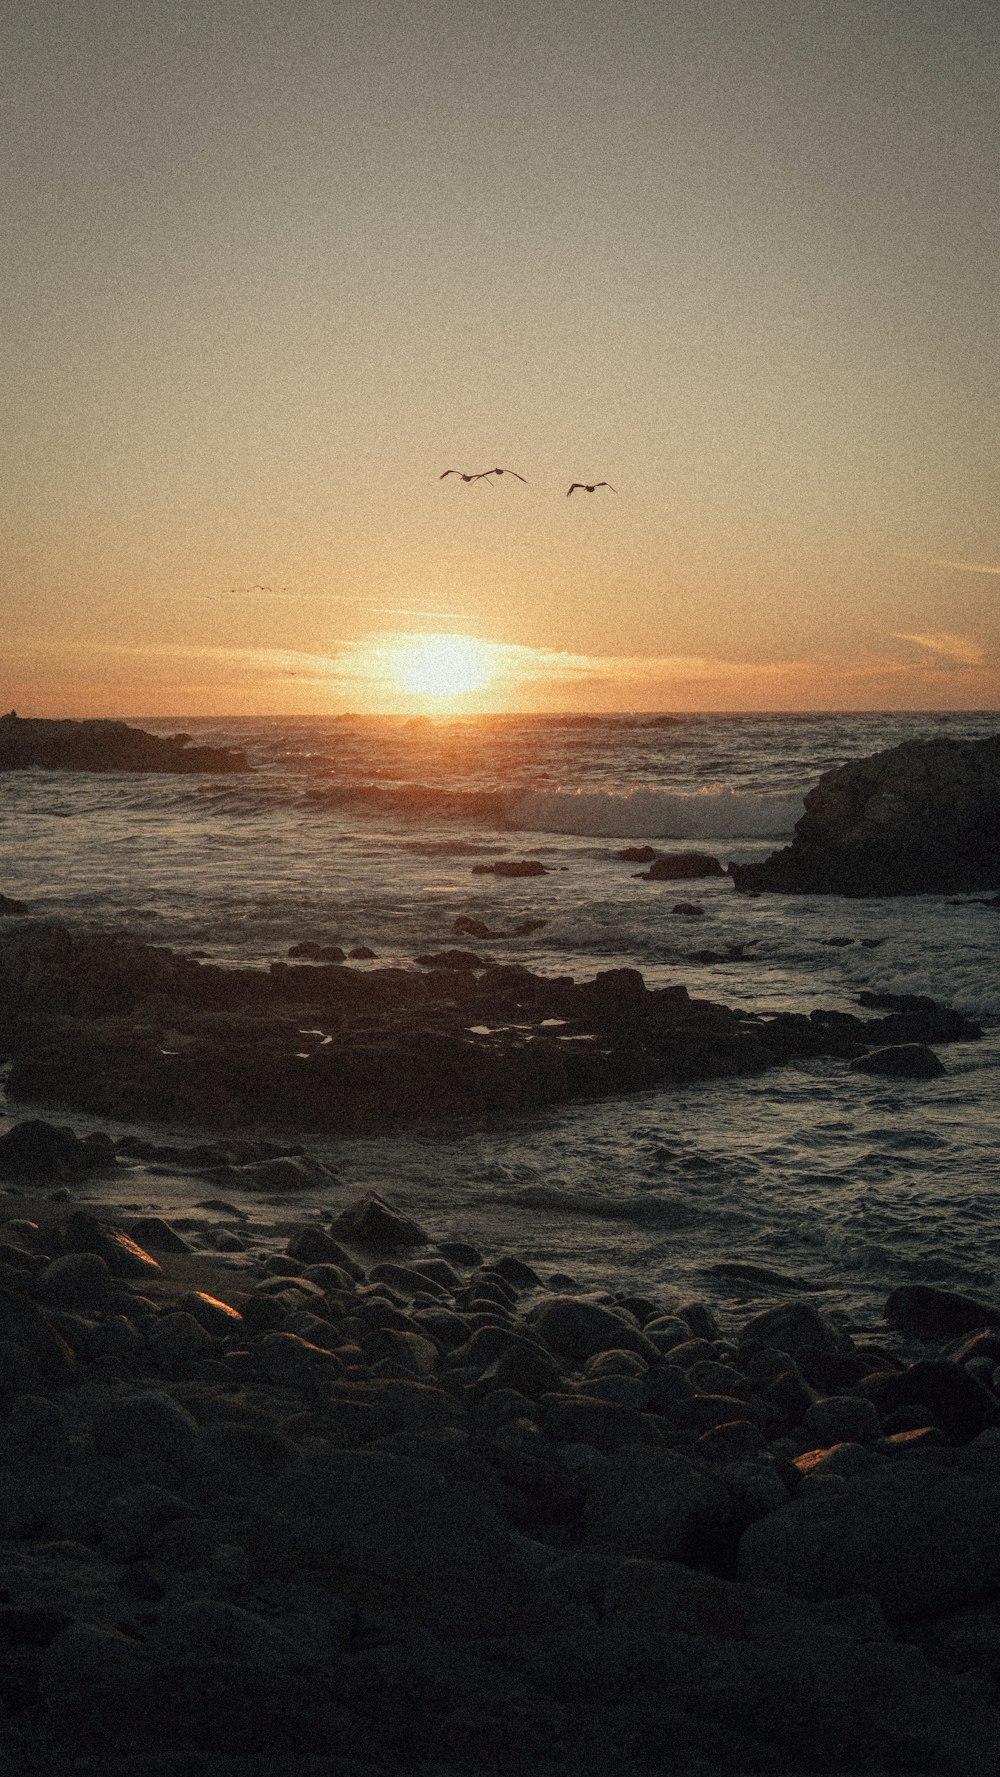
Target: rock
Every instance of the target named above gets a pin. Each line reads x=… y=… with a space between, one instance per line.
x=518 y=867
x=361 y=954
x=690 y=909
x=474 y=928
x=81 y=1282
x=919 y=1538
x=901 y=1061
x=922 y=818
x=38 y=1150
x=928 y=1313
x=393 y=1534
x=83 y=1233
x=655 y=1504
x=10 y=907
x=681 y=867
x=105 y=746
x=451 y=959
x=637 y=854
x=841 y=1419
x=371 y=1222
x=575 y=1328
x=318 y=953
x=155 y=1233
x=146 y=1433
x=945 y=1392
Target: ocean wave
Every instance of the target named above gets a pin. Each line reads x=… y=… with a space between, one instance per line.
x=716 y=812
x=712 y=813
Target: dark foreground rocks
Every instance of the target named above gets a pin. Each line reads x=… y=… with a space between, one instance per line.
x=923 y=818
x=110 y=1025
x=104 y=746
x=350 y=1516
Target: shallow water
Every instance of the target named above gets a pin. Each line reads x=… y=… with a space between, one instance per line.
x=367 y=833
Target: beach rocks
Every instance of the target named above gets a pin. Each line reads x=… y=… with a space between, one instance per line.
x=923 y=818
x=295 y=1520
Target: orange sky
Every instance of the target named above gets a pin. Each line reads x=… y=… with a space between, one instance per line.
x=268 y=274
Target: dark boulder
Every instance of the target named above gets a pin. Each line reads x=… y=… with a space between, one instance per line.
x=681 y=867
x=927 y=1313
x=38 y=1150
x=9 y=907
x=922 y=818
x=902 y=1061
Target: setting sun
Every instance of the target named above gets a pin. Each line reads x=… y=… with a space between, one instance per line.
x=443 y=665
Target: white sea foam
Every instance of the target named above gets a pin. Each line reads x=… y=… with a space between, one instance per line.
x=716 y=812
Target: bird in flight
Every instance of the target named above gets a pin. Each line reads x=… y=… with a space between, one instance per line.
x=505 y=472
x=462 y=475
x=589 y=487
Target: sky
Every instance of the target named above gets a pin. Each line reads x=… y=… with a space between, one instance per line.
x=270 y=270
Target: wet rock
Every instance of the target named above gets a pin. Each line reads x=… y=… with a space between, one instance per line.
x=373 y=1223
x=918 y=1538
x=925 y=1312
x=900 y=1061
x=83 y=1233
x=637 y=854
x=156 y=1234
x=318 y=953
x=946 y=1393
x=690 y=909
x=511 y=867
x=451 y=959
x=922 y=818
x=10 y=907
x=81 y=1282
x=682 y=866
x=38 y=1150
x=575 y=1328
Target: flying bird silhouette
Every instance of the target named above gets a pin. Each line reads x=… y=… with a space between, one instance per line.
x=589 y=487
x=505 y=472
x=462 y=475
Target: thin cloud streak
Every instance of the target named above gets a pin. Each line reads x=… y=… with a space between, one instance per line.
x=937 y=561
x=961 y=649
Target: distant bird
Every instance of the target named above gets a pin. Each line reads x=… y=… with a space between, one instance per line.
x=505 y=472
x=461 y=473
x=589 y=487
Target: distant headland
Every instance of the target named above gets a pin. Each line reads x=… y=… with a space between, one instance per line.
x=104 y=746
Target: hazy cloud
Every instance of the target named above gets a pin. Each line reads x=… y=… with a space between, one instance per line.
x=958 y=648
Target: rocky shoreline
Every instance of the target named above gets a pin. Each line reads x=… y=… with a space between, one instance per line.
x=359 y=1506
x=106 y=1024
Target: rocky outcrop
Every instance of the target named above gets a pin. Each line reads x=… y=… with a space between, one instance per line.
x=107 y=1024
x=923 y=818
x=104 y=746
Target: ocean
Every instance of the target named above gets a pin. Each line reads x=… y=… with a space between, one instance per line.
x=367 y=832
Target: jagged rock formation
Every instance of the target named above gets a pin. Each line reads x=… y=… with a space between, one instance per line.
x=923 y=818
x=107 y=1024
x=104 y=746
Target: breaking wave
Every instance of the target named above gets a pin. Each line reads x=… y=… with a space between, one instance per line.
x=713 y=813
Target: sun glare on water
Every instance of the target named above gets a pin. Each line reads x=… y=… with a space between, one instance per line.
x=440 y=666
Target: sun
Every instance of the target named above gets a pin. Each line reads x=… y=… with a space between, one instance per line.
x=442 y=666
